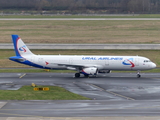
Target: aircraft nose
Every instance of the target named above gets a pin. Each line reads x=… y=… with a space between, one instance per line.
x=153 y=65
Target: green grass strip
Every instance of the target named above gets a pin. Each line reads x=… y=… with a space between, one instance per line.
x=27 y=93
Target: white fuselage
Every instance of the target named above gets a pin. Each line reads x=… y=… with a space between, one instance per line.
x=100 y=62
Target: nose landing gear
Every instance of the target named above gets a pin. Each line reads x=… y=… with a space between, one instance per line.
x=138 y=74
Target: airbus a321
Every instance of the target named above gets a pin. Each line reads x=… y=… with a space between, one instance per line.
x=85 y=65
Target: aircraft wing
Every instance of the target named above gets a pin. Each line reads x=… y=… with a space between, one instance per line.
x=79 y=65
x=73 y=65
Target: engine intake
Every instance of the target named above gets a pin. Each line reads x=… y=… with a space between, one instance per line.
x=90 y=71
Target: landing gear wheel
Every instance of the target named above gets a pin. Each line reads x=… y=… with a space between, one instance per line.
x=77 y=75
x=138 y=75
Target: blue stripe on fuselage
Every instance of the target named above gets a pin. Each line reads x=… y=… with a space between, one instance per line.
x=26 y=62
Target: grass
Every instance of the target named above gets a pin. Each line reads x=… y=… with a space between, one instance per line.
x=103 y=32
x=27 y=93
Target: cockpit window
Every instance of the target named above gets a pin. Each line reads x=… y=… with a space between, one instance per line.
x=147 y=61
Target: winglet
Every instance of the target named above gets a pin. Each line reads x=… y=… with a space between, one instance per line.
x=19 y=46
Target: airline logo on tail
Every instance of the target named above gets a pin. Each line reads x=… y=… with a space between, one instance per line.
x=23 y=48
x=129 y=62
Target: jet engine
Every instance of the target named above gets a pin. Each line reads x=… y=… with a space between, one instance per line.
x=90 y=71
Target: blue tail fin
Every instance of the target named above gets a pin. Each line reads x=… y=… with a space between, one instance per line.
x=20 y=48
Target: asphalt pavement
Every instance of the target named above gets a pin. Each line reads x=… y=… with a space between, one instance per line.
x=115 y=94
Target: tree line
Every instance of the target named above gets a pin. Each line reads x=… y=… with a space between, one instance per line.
x=107 y=6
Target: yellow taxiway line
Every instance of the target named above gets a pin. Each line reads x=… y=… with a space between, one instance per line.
x=22 y=75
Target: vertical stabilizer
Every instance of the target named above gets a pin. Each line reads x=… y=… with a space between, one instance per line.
x=20 y=48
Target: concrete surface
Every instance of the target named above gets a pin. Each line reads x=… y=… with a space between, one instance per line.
x=80 y=118
x=79 y=18
x=113 y=86
x=2 y=104
x=80 y=108
x=116 y=96
x=88 y=46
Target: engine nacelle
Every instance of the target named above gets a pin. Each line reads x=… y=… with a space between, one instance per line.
x=90 y=71
x=71 y=68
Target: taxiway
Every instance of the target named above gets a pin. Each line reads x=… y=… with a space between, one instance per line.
x=115 y=94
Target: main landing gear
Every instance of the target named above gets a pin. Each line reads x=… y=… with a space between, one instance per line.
x=77 y=75
x=138 y=74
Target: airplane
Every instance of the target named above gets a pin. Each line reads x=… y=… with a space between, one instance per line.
x=86 y=65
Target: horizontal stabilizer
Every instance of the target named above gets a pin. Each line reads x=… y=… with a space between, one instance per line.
x=17 y=58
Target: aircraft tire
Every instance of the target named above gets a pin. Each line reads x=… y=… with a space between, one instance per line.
x=77 y=75
x=138 y=75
